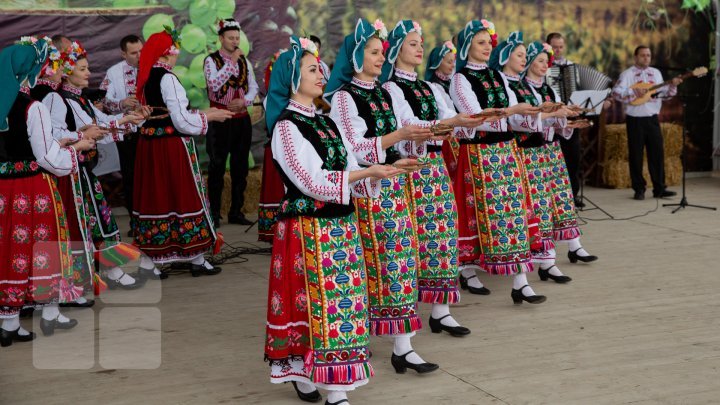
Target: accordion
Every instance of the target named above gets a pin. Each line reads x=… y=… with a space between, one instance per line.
x=565 y=79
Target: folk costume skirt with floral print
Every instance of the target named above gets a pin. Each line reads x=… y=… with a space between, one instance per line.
x=317 y=320
x=565 y=225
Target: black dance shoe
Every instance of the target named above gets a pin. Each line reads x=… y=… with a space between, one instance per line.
x=8 y=337
x=664 y=194
x=639 y=195
x=545 y=275
x=473 y=290
x=437 y=327
x=149 y=274
x=518 y=297
x=309 y=397
x=400 y=364
x=340 y=402
x=114 y=284
x=86 y=304
x=196 y=270
x=27 y=312
x=574 y=257
x=239 y=220
x=48 y=327
x=579 y=203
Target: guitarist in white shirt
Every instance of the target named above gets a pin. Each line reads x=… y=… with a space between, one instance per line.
x=643 y=126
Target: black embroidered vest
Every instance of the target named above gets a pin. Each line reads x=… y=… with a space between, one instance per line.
x=324 y=136
x=16 y=155
x=444 y=83
x=375 y=108
x=234 y=81
x=153 y=97
x=420 y=97
x=525 y=95
x=89 y=158
x=40 y=91
x=488 y=86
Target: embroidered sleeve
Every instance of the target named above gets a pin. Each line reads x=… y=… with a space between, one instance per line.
x=368 y=151
x=48 y=153
x=175 y=98
x=666 y=91
x=110 y=121
x=252 y=84
x=367 y=187
x=216 y=78
x=446 y=110
x=467 y=102
x=404 y=116
x=521 y=123
x=302 y=165
x=622 y=91
x=111 y=100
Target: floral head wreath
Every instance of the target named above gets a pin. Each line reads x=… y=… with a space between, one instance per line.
x=550 y=52
x=70 y=57
x=225 y=25
x=490 y=28
x=176 y=39
x=54 y=60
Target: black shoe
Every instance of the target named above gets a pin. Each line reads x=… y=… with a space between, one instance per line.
x=216 y=222
x=149 y=274
x=196 y=270
x=518 y=297
x=27 y=312
x=473 y=290
x=113 y=284
x=8 y=337
x=400 y=364
x=545 y=274
x=639 y=195
x=579 y=203
x=86 y=304
x=437 y=327
x=664 y=194
x=48 y=327
x=309 y=397
x=340 y=402
x=239 y=220
x=574 y=257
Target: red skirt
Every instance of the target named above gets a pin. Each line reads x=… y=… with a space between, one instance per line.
x=271 y=193
x=171 y=220
x=33 y=243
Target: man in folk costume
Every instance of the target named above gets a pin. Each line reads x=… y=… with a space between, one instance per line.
x=30 y=206
x=168 y=228
x=120 y=83
x=231 y=86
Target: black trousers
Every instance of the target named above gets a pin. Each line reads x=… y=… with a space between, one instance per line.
x=230 y=137
x=571 y=150
x=644 y=133
x=127 y=150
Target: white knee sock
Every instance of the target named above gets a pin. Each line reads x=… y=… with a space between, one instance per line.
x=402 y=345
x=13 y=324
x=147 y=264
x=304 y=387
x=80 y=300
x=116 y=274
x=337 y=396
x=467 y=271
x=574 y=244
x=439 y=311
x=550 y=265
x=519 y=281
x=200 y=260
x=50 y=312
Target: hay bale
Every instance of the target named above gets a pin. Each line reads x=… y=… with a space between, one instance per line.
x=672 y=139
x=252 y=193
x=614 y=142
x=616 y=173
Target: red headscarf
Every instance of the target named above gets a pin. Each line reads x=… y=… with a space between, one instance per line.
x=159 y=44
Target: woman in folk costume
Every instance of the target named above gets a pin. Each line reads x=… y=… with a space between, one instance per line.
x=83 y=193
x=492 y=200
x=33 y=230
x=562 y=225
x=271 y=186
x=318 y=328
x=366 y=117
x=433 y=201
x=440 y=68
x=168 y=228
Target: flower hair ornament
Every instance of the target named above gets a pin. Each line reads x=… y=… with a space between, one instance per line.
x=550 y=52
x=71 y=56
x=227 y=25
x=465 y=39
x=490 y=28
x=54 y=60
x=395 y=40
x=176 y=38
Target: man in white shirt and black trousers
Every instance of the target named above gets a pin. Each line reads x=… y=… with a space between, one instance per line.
x=231 y=86
x=643 y=126
x=120 y=82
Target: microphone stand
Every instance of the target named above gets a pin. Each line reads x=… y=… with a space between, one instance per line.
x=683 y=200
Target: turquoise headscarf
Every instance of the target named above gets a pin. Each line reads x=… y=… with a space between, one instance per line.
x=350 y=57
x=465 y=39
x=284 y=81
x=396 y=38
x=533 y=51
x=436 y=58
x=501 y=54
x=18 y=63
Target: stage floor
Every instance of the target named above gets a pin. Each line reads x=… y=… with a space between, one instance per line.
x=638 y=326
